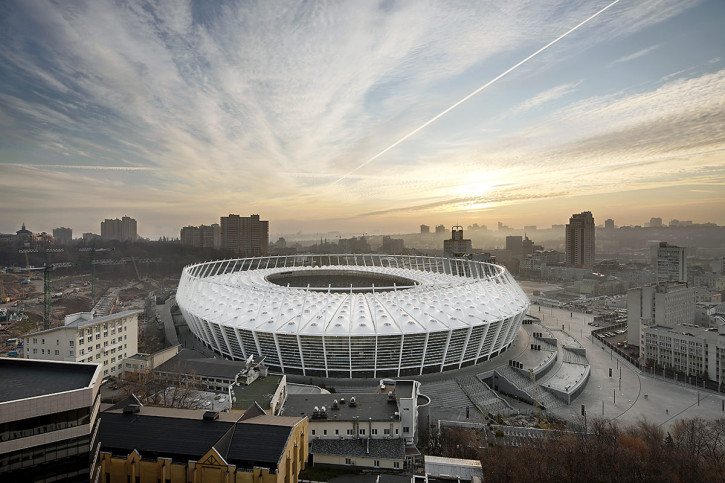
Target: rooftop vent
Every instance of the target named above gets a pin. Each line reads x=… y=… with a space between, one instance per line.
x=342 y=400
x=353 y=403
x=391 y=398
x=335 y=405
x=211 y=415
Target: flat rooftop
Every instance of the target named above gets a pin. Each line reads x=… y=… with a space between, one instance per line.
x=26 y=378
x=369 y=406
x=188 y=361
x=260 y=391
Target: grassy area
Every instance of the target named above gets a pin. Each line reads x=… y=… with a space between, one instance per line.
x=318 y=473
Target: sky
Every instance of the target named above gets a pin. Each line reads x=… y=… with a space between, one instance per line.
x=360 y=117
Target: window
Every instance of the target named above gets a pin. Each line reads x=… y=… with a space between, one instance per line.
x=396 y=465
x=35 y=340
x=42 y=341
x=386 y=431
x=349 y=432
x=324 y=432
x=396 y=431
x=57 y=352
x=373 y=431
x=406 y=429
x=57 y=342
x=72 y=343
x=98 y=356
x=81 y=352
x=81 y=341
x=313 y=432
x=337 y=431
x=42 y=351
x=348 y=461
x=362 y=431
x=35 y=351
x=70 y=353
x=376 y=463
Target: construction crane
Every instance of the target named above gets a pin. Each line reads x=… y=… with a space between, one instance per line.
x=93 y=251
x=46 y=268
x=3 y=296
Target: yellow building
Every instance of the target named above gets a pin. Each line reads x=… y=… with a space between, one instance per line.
x=144 y=444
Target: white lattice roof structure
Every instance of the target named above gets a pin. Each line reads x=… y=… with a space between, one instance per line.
x=404 y=315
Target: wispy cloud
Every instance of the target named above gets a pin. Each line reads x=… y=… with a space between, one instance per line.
x=635 y=55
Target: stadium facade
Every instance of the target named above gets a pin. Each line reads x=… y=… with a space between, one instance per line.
x=365 y=316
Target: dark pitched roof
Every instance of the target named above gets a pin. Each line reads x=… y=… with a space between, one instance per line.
x=378 y=448
x=23 y=378
x=245 y=444
x=375 y=406
x=154 y=436
x=258 y=444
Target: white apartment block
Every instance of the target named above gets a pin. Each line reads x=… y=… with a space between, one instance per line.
x=687 y=348
x=107 y=340
x=664 y=304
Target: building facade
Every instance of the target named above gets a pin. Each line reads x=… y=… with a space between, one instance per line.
x=671 y=263
x=457 y=246
x=124 y=229
x=107 y=341
x=202 y=236
x=176 y=445
x=245 y=235
x=665 y=304
x=62 y=235
x=580 y=240
x=48 y=427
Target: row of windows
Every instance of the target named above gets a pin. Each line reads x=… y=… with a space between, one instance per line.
x=44 y=424
x=373 y=431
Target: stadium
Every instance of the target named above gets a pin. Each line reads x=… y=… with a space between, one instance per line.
x=362 y=316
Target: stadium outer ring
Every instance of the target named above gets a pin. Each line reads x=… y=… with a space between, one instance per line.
x=458 y=313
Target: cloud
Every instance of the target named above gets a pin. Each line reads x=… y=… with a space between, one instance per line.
x=635 y=55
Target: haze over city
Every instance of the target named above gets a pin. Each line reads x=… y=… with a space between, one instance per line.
x=309 y=114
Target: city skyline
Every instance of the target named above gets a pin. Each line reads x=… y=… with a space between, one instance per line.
x=328 y=117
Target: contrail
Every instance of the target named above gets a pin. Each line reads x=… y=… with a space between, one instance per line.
x=492 y=81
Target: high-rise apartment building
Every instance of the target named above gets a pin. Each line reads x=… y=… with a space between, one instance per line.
x=671 y=263
x=247 y=236
x=514 y=245
x=609 y=224
x=123 y=229
x=63 y=236
x=580 y=240
x=203 y=236
x=424 y=229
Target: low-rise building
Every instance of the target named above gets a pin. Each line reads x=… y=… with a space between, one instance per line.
x=107 y=340
x=49 y=420
x=182 y=445
x=374 y=430
x=689 y=349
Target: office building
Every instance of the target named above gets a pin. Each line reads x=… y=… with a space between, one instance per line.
x=49 y=421
x=514 y=245
x=246 y=236
x=457 y=246
x=664 y=304
x=609 y=224
x=580 y=240
x=63 y=236
x=671 y=263
x=124 y=229
x=395 y=246
x=440 y=229
x=140 y=443
x=107 y=340
x=424 y=229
